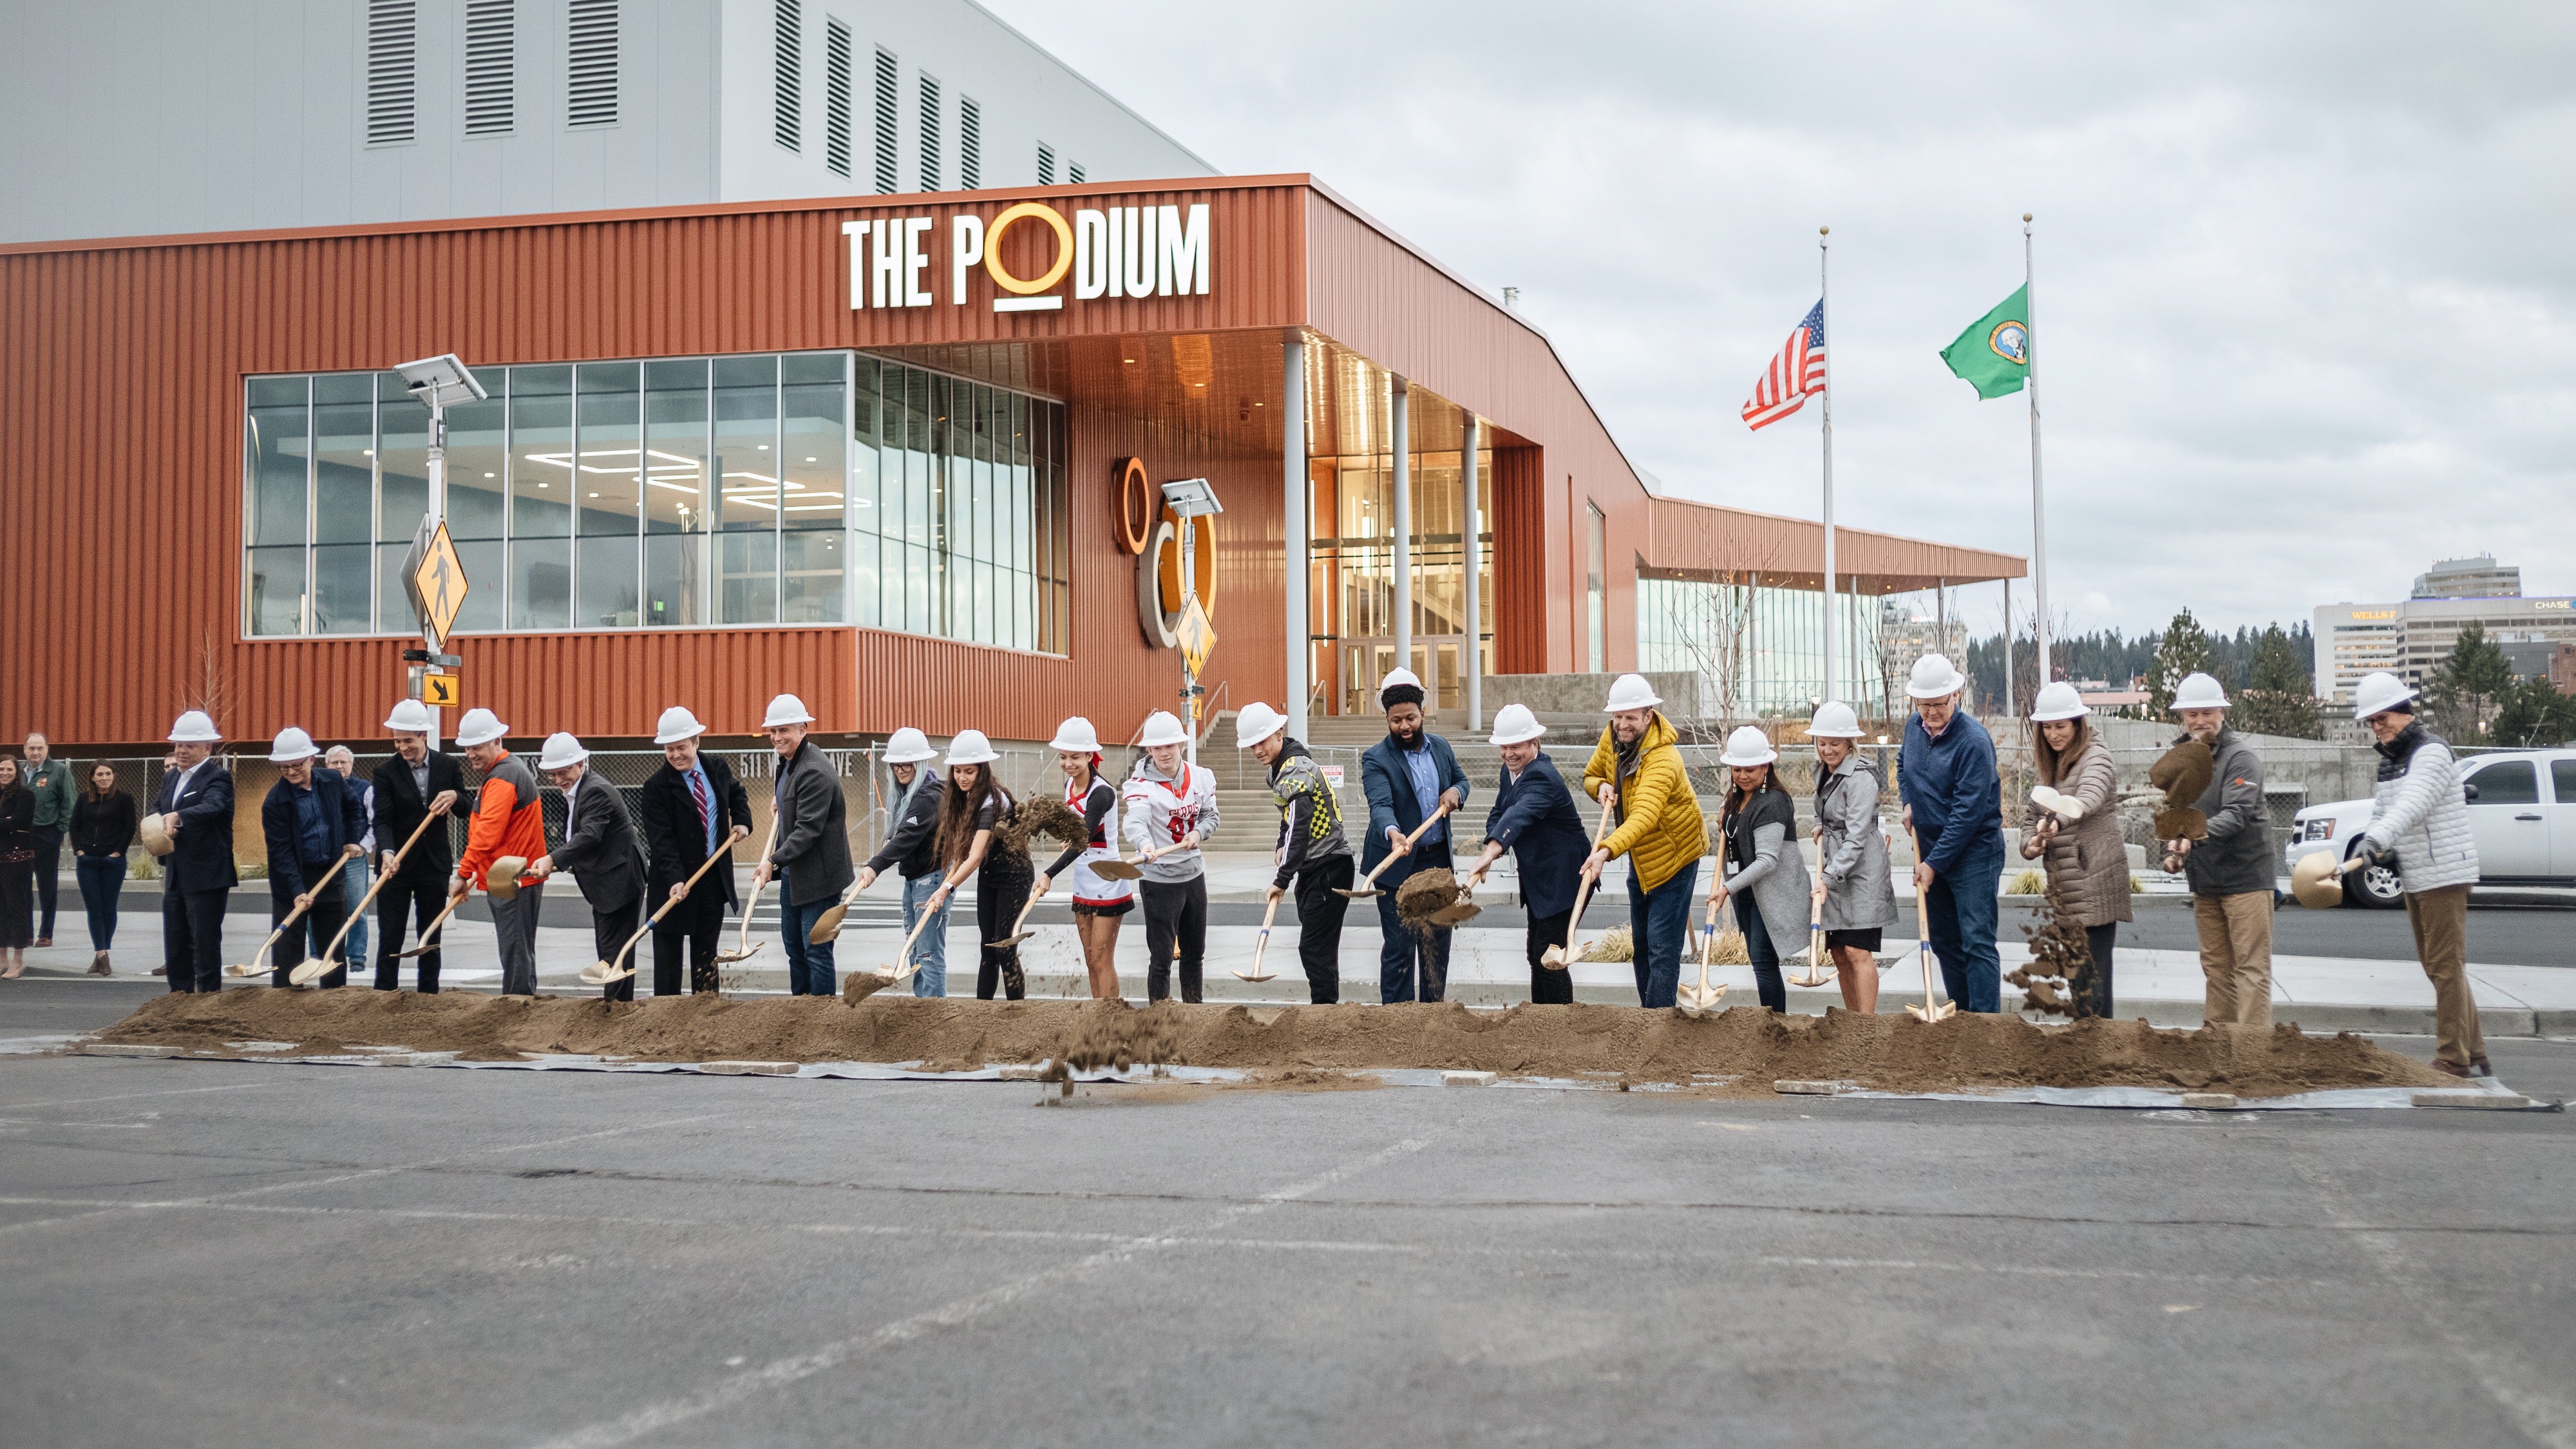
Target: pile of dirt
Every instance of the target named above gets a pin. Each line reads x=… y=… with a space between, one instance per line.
x=1753 y=1046
x=1424 y=894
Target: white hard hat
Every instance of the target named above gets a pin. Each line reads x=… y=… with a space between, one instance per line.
x=292 y=745
x=786 y=709
x=411 y=717
x=1631 y=691
x=675 y=725
x=2060 y=701
x=479 y=727
x=1394 y=677
x=2199 y=691
x=561 y=750
x=194 y=728
x=1748 y=746
x=969 y=747
x=1076 y=737
x=1516 y=726
x=1834 y=720
x=1934 y=677
x=908 y=746
x=2377 y=691
x=1162 y=727
x=1258 y=722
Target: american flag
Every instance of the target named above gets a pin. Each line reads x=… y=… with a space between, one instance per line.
x=1796 y=372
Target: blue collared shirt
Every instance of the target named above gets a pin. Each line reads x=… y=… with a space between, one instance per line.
x=1425 y=772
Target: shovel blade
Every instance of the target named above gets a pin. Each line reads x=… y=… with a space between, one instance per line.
x=864 y=984
x=1458 y=914
x=310 y=970
x=501 y=882
x=827 y=926
x=726 y=957
x=600 y=973
x=1115 y=870
x=1007 y=942
x=1357 y=895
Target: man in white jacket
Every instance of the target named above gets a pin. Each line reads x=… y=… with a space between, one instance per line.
x=2419 y=821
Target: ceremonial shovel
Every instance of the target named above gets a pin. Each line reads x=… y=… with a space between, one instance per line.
x=1017 y=935
x=2064 y=807
x=1818 y=973
x=1260 y=944
x=1368 y=884
x=2317 y=880
x=1556 y=957
x=1696 y=999
x=310 y=970
x=600 y=973
x=1932 y=1009
x=903 y=965
x=429 y=935
x=252 y=967
x=743 y=950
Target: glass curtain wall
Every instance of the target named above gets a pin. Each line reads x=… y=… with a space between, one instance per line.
x=1758 y=650
x=805 y=488
x=1351 y=501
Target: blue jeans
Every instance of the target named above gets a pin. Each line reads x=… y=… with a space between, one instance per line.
x=1962 y=930
x=809 y=965
x=1659 y=921
x=1765 y=956
x=353 y=889
x=101 y=877
x=931 y=947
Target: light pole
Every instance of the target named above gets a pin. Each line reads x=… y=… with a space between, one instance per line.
x=436 y=382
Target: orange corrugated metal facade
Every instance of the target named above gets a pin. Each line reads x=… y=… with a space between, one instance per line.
x=121 y=374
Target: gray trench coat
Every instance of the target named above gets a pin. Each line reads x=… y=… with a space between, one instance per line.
x=1852 y=855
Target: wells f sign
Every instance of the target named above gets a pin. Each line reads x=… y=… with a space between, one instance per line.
x=1123 y=251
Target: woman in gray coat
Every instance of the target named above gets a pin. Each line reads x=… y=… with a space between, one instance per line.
x=2086 y=859
x=1764 y=872
x=1852 y=877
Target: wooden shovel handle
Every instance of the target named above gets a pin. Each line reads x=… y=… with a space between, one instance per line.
x=767 y=845
x=382 y=876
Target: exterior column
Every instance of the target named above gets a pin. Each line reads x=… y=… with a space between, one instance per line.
x=1473 y=663
x=1292 y=452
x=1400 y=409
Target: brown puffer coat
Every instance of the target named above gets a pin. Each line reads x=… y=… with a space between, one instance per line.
x=2088 y=860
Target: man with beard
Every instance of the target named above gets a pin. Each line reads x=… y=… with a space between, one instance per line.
x=1410 y=777
x=1636 y=770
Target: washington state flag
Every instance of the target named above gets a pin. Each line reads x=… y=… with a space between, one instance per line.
x=1993 y=355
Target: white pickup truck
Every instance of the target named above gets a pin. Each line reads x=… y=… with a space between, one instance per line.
x=2522 y=809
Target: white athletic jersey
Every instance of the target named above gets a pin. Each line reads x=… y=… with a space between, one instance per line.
x=1161 y=810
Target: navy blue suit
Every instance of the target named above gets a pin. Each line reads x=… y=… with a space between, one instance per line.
x=1535 y=818
x=344 y=823
x=195 y=875
x=1388 y=784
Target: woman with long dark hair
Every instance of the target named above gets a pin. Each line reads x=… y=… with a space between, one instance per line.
x=1099 y=903
x=1764 y=872
x=17 y=870
x=973 y=808
x=1853 y=889
x=2087 y=860
x=103 y=824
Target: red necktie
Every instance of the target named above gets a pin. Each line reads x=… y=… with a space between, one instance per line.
x=698 y=793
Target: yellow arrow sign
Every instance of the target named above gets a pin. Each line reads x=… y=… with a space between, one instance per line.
x=1197 y=636
x=442 y=691
x=439 y=581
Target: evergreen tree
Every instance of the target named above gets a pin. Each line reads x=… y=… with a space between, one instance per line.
x=2278 y=698
x=2466 y=689
x=2183 y=649
x=2533 y=713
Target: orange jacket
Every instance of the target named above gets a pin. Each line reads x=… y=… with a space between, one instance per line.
x=508 y=820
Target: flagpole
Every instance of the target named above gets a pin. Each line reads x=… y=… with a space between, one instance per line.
x=1824 y=301
x=2038 y=497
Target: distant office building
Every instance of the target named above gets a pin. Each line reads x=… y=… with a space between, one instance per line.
x=2468 y=578
x=2411 y=639
x=2562 y=668
x=239 y=115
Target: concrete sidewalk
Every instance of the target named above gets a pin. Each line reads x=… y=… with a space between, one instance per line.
x=1487 y=968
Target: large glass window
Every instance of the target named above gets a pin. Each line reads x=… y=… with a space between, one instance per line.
x=1759 y=649
x=804 y=488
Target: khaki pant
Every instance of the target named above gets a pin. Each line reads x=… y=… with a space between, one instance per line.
x=2441 y=920
x=2236 y=956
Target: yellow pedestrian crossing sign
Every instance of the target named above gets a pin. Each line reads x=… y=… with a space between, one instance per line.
x=1197 y=636
x=438 y=584
x=442 y=691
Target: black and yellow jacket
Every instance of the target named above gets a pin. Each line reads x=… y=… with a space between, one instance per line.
x=1310 y=817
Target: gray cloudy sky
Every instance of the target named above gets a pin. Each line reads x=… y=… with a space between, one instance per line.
x=2305 y=280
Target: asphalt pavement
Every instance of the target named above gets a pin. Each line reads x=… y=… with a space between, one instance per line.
x=228 y=1254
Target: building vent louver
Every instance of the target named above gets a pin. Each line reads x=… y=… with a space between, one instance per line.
x=887 y=181
x=1046 y=164
x=1073 y=172
x=970 y=143
x=591 y=74
x=491 y=67
x=836 y=97
x=929 y=133
x=790 y=79
x=393 y=71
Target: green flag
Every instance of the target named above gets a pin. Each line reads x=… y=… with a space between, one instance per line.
x=1993 y=355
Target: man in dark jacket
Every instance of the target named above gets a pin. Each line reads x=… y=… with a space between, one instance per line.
x=313 y=824
x=912 y=850
x=194 y=804
x=418 y=782
x=50 y=781
x=1313 y=858
x=1407 y=777
x=813 y=849
x=2231 y=868
x=599 y=849
x=692 y=807
x=1945 y=774
x=1534 y=817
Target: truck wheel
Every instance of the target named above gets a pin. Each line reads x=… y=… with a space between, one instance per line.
x=2375 y=887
